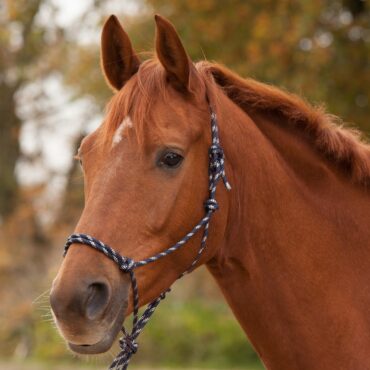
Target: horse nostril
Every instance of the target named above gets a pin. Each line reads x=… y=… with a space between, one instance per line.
x=97 y=300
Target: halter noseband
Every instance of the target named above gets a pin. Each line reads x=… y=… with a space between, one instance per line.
x=128 y=343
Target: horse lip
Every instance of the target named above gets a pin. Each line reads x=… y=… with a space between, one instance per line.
x=89 y=349
x=104 y=344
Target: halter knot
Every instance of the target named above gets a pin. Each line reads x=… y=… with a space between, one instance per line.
x=128 y=345
x=211 y=205
x=126 y=264
x=216 y=155
x=217 y=163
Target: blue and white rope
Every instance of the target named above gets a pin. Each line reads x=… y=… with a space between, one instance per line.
x=128 y=343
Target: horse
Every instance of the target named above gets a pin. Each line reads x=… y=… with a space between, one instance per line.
x=290 y=244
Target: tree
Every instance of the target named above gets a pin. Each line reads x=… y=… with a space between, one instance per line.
x=24 y=57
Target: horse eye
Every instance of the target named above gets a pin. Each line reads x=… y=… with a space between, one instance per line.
x=170 y=159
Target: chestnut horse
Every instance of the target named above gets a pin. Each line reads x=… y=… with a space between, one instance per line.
x=290 y=244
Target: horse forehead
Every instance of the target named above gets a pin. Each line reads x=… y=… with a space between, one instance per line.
x=176 y=115
x=118 y=134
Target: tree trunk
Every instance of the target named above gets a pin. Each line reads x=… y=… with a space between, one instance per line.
x=9 y=150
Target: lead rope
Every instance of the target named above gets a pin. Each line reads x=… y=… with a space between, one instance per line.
x=128 y=343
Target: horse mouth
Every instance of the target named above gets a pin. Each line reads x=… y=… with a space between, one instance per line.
x=106 y=342
x=89 y=349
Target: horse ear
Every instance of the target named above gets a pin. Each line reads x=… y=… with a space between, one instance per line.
x=118 y=58
x=172 y=54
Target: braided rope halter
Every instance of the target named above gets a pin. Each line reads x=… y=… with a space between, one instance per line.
x=128 y=343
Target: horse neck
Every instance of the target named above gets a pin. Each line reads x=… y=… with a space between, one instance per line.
x=297 y=249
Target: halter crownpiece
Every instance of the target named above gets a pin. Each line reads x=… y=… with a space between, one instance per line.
x=128 y=343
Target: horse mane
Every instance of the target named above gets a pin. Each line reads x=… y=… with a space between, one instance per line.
x=345 y=147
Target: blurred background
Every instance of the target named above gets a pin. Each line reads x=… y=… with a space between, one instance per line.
x=52 y=93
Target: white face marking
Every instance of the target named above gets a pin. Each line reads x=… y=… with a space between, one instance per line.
x=117 y=137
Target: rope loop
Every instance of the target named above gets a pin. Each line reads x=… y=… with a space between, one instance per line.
x=128 y=345
x=163 y=294
x=217 y=163
x=211 y=205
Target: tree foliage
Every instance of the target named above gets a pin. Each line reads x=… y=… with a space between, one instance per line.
x=319 y=49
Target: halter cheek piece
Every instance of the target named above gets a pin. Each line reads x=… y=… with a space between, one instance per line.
x=128 y=343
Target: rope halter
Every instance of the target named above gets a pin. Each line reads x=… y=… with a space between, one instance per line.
x=128 y=343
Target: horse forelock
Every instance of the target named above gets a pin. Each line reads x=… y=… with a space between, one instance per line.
x=135 y=100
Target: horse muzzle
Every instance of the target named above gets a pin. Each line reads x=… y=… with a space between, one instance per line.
x=89 y=312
